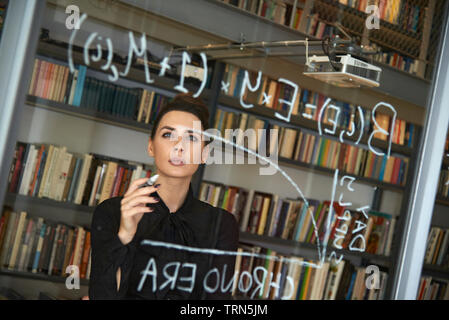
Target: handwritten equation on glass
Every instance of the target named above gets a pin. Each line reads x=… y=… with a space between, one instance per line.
x=139 y=49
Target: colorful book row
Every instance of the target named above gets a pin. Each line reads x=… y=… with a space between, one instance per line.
x=311 y=149
x=317 y=28
x=55 y=82
x=36 y=245
x=432 y=289
x=437 y=247
x=297 y=278
x=398 y=61
x=291 y=219
x=277 y=11
x=50 y=171
x=404 y=13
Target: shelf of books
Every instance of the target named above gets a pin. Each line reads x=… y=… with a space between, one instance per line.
x=36 y=248
x=437 y=255
x=87 y=93
x=301 y=279
x=432 y=288
x=268 y=221
x=433 y=283
x=272 y=225
x=50 y=175
x=399 y=38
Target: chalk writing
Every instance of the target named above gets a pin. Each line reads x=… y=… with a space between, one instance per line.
x=266 y=99
x=136 y=49
x=379 y=129
x=214 y=280
x=358 y=235
x=225 y=86
x=247 y=85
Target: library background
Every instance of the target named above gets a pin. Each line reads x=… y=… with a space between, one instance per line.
x=354 y=90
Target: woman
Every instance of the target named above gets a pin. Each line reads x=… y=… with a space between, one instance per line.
x=125 y=268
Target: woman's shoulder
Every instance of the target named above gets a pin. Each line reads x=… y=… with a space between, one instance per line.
x=108 y=207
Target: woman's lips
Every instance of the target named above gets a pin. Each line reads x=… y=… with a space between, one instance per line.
x=176 y=161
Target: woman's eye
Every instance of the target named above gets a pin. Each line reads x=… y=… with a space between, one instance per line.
x=193 y=138
x=166 y=134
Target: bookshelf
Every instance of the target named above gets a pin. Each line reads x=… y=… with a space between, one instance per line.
x=406 y=31
x=216 y=100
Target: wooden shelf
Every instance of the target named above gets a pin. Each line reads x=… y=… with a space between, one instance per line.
x=442 y=201
x=12 y=198
x=435 y=271
x=38 y=276
x=89 y=114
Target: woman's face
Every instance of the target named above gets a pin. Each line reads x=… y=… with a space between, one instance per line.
x=177 y=151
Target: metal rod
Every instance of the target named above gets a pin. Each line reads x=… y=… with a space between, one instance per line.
x=253 y=45
x=263 y=55
x=256 y=45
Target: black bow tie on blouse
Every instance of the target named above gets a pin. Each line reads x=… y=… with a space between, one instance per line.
x=169 y=227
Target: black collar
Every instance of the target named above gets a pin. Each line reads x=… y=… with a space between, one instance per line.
x=185 y=207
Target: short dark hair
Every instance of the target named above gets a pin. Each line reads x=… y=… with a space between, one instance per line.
x=187 y=103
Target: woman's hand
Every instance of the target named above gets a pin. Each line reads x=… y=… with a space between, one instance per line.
x=133 y=206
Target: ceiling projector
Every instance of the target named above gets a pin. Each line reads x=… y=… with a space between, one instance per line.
x=343 y=71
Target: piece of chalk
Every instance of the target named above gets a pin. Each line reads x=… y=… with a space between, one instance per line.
x=152 y=180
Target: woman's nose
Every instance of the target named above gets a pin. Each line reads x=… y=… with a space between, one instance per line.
x=179 y=144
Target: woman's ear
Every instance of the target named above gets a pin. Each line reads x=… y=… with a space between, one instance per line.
x=150 y=147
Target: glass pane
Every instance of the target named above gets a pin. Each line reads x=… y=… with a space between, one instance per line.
x=299 y=121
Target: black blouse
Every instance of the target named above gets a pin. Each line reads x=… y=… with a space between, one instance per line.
x=157 y=270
